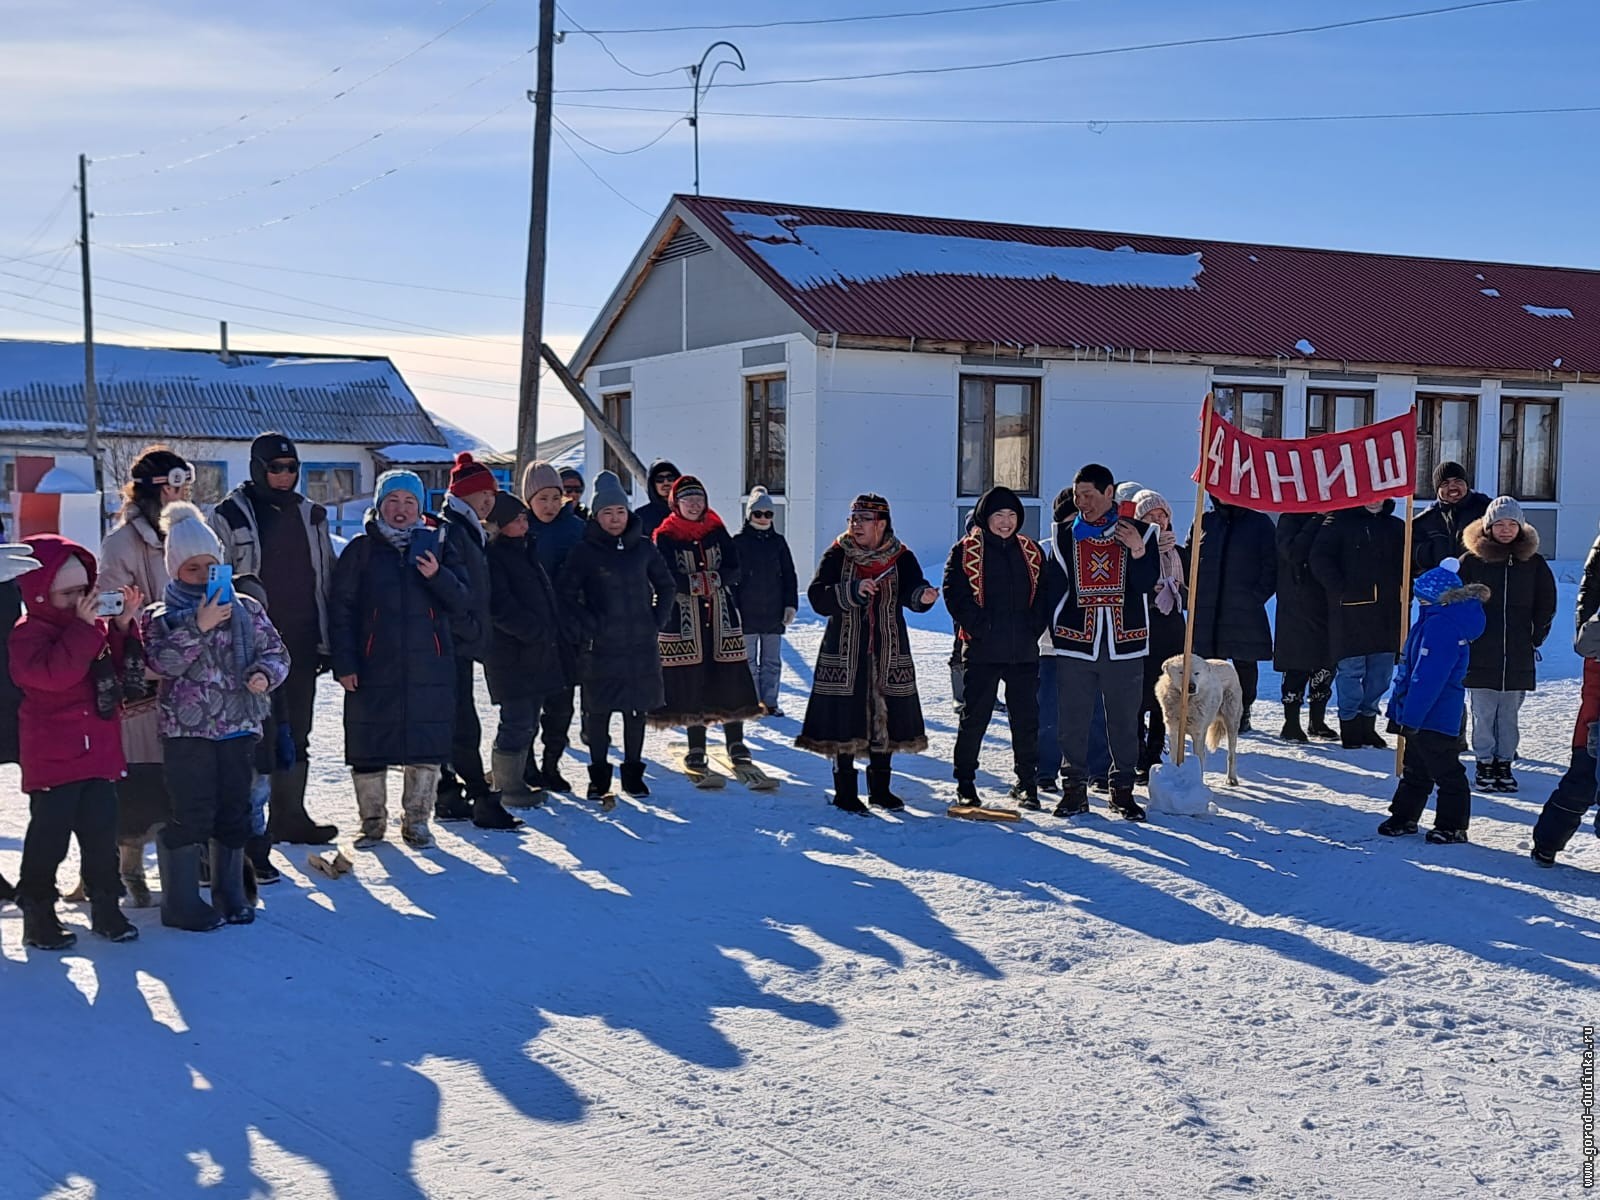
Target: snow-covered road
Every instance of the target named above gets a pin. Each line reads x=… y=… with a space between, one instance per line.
x=722 y=995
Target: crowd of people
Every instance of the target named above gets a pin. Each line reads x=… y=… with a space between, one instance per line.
x=165 y=689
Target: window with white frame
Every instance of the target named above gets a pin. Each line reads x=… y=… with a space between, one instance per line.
x=766 y=438
x=1528 y=428
x=998 y=443
x=330 y=484
x=1447 y=431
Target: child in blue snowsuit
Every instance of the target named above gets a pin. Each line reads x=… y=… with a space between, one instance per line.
x=1428 y=701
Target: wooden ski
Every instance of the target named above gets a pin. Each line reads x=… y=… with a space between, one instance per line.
x=975 y=812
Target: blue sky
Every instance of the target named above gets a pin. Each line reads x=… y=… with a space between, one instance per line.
x=171 y=78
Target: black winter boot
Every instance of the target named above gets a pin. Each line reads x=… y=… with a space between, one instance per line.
x=967 y=793
x=287 y=819
x=1291 y=731
x=1319 y=727
x=1397 y=827
x=1504 y=780
x=1025 y=795
x=42 y=929
x=450 y=802
x=1074 y=799
x=7 y=892
x=845 y=795
x=1485 y=776
x=1369 y=731
x=1126 y=806
x=633 y=783
x=107 y=921
x=1350 y=736
x=227 y=885
x=550 y=775
x=1047 y=783
x=599 y=781
x=181 y=906
x=878 y=793
x=259 y=851
x=489 y=813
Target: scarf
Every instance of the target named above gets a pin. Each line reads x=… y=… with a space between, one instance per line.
x=1083 y=530
x=870 y=563
x=465 y=511
x=400 y=539
x=185 y=598
x=1169 y=588
x=676 y=526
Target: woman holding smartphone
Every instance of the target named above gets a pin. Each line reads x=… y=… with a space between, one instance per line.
x=395 y=589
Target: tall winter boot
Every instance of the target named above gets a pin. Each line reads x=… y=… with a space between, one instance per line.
x=420 y=785
x=1350 y=735
x=41 y=928
x=181 y=906
x=879 y=773
x=227 y=885
x=507 y=767
x=1319 y=727
x=1370 y=735
x=372 y=802
x=633 y=783
x=106 y=920
x=599 y=781
x=450 y=798
x=550 y=772
x=1291 y=731
x=130 y=865
x=258 y=856
x=287 y=819
x=845 y=794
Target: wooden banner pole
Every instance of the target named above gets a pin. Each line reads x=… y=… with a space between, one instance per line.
x=1194 y=574
x=1405 y=622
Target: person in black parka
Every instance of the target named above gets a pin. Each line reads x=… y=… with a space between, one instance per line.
x=1358 y=558
x=1438 y=531
x=389 y=623
x=659 y=506
x=769 y=596
x=1503 y=554
x=1300 y=646
x=1228 y=596
x=994 y=587
x=527 y=663
x=553 y=530
x=620 y=597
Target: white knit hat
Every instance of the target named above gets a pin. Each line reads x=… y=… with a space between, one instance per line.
x=188 y=536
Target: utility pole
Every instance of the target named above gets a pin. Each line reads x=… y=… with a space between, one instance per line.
x=91 y=398
x=538 y=228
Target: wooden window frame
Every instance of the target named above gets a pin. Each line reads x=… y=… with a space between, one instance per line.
x=1271 y=389
x=1513 y=444
x=1330 y=398
x=353 y=467
x=1035 y=405
x=1429 y=407
x=615 y=404
x=759 y=459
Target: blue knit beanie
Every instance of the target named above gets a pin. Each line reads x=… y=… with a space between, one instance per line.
x=1435 y=583
x=401 y=481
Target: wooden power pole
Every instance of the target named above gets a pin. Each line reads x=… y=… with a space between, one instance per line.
x=91 y=397
x=538 y=228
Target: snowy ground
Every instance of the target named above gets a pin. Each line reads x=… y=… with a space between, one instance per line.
x=720 y=995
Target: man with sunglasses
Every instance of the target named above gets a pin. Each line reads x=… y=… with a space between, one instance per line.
x=271 y=531
x=572 y=492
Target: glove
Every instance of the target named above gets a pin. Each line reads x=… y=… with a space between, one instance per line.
x=788 y=617
x=16 y=560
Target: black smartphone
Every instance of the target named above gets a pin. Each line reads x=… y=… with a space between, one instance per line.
x=424 y=540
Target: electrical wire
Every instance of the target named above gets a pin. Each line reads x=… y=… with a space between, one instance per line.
x=608 y=53
x=608 y=149
x=1216 y=40
x=889 y=16
x=604 y=182
x=44 y=226
x=1096 y=123
x=335 y=156
x=326 y=200
x=317 y=107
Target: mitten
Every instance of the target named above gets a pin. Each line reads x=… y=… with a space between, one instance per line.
x=788 y=617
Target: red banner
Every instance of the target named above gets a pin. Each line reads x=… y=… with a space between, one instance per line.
x=1315 y=474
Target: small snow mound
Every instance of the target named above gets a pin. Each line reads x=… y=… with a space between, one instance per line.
x=1557 y=363
x=1305 y=347
x=1490 y=291
x=1179 y=790
x=1537 y=310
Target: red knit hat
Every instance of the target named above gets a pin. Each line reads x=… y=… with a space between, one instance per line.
x=468 y=477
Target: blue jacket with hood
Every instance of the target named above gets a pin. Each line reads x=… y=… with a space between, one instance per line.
x=1430 y=686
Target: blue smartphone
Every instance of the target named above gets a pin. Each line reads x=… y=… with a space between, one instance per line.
x=424 y=540
x=219 y=582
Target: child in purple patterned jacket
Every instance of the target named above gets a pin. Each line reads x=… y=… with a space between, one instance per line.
x=218 y=658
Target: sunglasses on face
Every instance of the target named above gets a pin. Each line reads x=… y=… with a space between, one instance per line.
x=573 y=491
x=284 y=467
x=761 y=516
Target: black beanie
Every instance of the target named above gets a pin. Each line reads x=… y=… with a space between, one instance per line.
x=1450 y=470
x=265 y=449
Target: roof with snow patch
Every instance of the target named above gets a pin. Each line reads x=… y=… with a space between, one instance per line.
x=902 y=277
x=158 y=393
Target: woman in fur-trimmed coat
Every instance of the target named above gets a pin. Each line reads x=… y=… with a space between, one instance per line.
x=864 y=690
x=704 y=665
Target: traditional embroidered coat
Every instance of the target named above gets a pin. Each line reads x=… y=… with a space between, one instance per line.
x=864 y=691
x=703 y=662
x=995 y=589
x=1101 y=594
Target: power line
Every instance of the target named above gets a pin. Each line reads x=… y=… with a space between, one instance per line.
x=43 y=227
x=607 y=51
x=1219 y=39
x=317 y=107
x=326 y=200
x=604 y=182
x=619 y=153
x=889 y=16
x=1096 y=123
x=335 y=156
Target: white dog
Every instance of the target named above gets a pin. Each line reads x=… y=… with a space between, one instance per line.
x=1216 y=702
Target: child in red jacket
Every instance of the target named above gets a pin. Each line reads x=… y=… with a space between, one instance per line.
x=70 y=665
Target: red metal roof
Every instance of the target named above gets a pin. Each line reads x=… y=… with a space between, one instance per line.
x=1247 y=300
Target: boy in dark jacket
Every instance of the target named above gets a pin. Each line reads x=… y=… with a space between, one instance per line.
x=467 y=505
x=997 y=594
x=70 y=665
x=658 y=484
x=1439 y=531
x=1503 y=555
x=553 y=530
x=1428 y=702
x=526 y=666
x=769 y=596
x=621 y=595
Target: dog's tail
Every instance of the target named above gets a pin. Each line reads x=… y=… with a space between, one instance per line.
x=1217 y=733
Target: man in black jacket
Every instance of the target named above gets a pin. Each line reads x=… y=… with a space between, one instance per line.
x=468 y=502
x=769 y=596
x=997 y=593
x=659 y=486
x=1228 y=598
x=1437 y=532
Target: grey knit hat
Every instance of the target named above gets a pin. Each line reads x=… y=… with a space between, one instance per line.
x=759 y=501
x=1502 y=508
x=537 y=476
x=607 y=492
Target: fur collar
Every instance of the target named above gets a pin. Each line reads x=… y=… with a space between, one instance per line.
x=1467 y=591
x=1481 y=545
x=677 y=526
